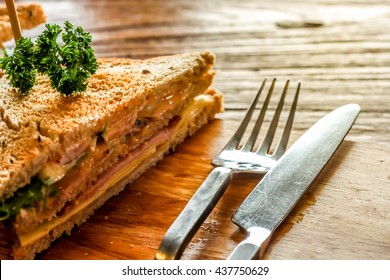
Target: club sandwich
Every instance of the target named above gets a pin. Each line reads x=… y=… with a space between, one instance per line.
x=62 y=157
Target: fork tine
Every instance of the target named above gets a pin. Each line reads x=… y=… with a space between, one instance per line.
x=281 y=147
x=236 y=138
x=252 y=138
x=265 y=146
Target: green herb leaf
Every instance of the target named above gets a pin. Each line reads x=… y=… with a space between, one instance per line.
x=19 y=67
x=30 y=195
x=68 y=66
x=46 y=50
x=76 y=61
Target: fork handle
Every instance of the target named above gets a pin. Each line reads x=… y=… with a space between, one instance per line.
x=194 y=214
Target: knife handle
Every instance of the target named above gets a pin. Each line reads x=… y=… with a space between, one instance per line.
x=194 y=214
x=254 y=244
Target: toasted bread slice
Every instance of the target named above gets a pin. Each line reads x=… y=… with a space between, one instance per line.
x=91 y=145
x=30 y=15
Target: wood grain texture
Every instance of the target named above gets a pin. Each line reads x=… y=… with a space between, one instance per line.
x=339 y=50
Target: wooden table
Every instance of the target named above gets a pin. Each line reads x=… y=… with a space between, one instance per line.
x=339 y=50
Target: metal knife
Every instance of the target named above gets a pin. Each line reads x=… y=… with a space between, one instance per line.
x=283 y=186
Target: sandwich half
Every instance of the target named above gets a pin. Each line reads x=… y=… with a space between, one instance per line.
x=63 y=157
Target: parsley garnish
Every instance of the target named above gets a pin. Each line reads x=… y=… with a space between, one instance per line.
x=19 y=67
x=68 y=66
x=46 y=49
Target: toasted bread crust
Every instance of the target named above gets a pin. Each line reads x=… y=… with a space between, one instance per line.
x=30 y=15
x=41 y=126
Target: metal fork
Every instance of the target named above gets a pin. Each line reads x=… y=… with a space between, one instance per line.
x=231 y=159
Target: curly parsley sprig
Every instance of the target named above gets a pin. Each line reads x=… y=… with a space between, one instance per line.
x=19 y=67
x=46 y=49
x=68 y=66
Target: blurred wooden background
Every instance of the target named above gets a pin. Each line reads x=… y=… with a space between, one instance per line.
x=339 y=50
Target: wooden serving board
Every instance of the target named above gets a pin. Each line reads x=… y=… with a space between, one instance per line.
x=344 y=215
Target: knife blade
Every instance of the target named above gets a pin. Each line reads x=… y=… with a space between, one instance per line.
x=282 y=187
